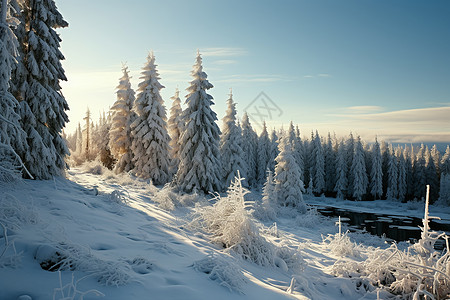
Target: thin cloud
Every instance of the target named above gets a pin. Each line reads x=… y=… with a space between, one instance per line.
x=412 y=125
x=225 y=62
x=223 y=52
x=254 y=78
x=321 y=75
x=364 y=109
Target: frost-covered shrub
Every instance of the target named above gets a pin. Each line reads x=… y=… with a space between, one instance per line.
x=230 y=225
x=419 y=270
x=14 y=214
x=308 y=220
x=168 y=199
x=63 y=257
x=119 y=197
x=70 y=291
x=222 y=270
x=341 y=245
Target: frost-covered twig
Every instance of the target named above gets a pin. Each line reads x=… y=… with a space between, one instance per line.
x=71 y=290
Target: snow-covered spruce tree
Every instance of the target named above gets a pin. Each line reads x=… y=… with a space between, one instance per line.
x=12 y=137
x=43 y=111
x=262 y=158
x=350 y=145
x=267 y=209
x=431 y=175
x=122 y=116
x=360 y=180
x=288 y=186
x=175 y=125
x=299 y=153
x=273 y=152
x=296 y=147
x=318 y=167
x=419 y=173
x=105 y=155
x=150 y=145
x=409 y=174
x=392 y=191
x=384 y=165
x=376 y=172
x=341 y=186
x=249 y=149
x=230 y=148
x=445 y=161
x=200 y=164
x=330 y=165
x=436 y=156
x=87 y=136
x=402 y=185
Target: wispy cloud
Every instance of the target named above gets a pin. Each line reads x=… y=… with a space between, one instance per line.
x=223 y=51
x=320 y=75
x=411 y=125
x=364 y=109
x=255 y=78
x=225 y=62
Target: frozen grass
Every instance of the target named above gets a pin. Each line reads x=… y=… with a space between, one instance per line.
x=223 y=270
x=229 y=224
x=70 y=291
x=413 y=273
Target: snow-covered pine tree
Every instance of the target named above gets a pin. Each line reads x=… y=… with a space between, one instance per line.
x=341 y=186
x=402 y=185
x=385 y=165
x=262 y=158
x=230 y=148
x=150 y=145
x=409 y=174
x=299 y=153
x=105 y=155
x=249 y=150
x=376 y=172
x=330 y=165
x=431 y=175
x=360 y=180
x=200 y=164
x=87 y=136
x=175 y=125
x=12 y=137
x=308 y=162
x=288 y=186
x=122 y=115
x=43 y=111
x=350 y=145
x=79 y=142
x=318 y=168
x=445 y=161
x=436 y=155
x=269 y=199
x=419 y=174
x=273 y=152
x=392 y=191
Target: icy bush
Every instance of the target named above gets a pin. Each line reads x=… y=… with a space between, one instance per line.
x=230 y=225
x=308 y=220
x=119 y=197
x=224 y=271
x=341 y=245
x=14 y=214
x=168 y=199
x=70 y=291
x=412 y=273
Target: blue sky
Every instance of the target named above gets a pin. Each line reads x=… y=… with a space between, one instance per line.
x=371 y=67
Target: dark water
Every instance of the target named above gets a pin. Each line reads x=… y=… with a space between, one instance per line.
x=397 y=228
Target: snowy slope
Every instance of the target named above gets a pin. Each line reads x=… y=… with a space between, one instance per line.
x=113 y=236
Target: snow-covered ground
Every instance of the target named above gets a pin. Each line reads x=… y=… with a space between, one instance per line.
x=114 y=236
